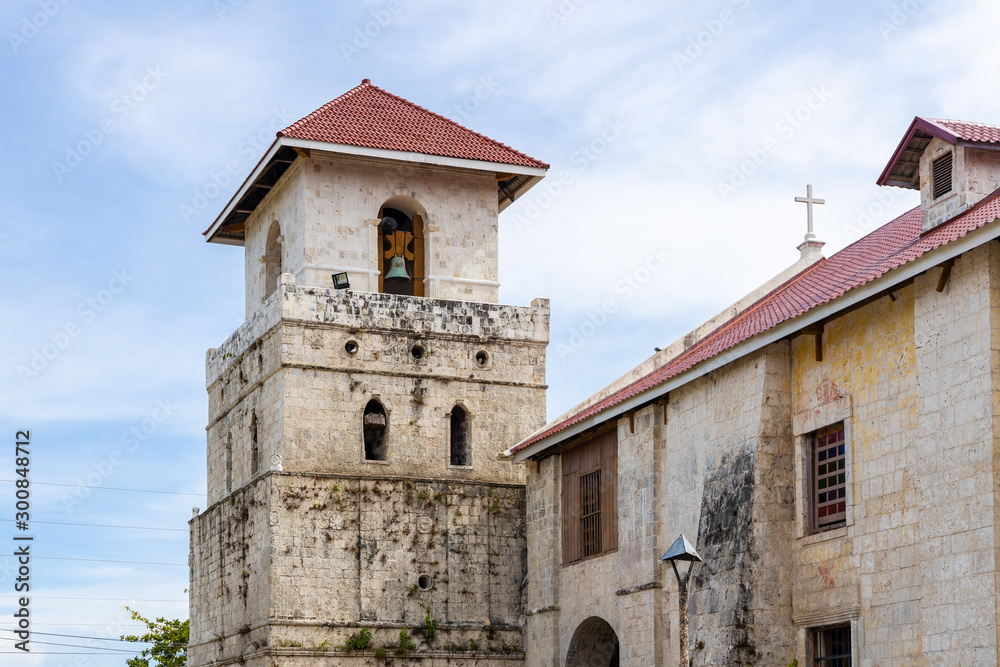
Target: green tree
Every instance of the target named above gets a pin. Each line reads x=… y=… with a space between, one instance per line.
x=169 y=639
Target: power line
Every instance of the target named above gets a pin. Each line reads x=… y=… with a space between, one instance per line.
x=98 y=648
x=100 y=639
x=100 y=525
x=105 y=560
x=81 y=625
x=60 y=597
x=109 y=488
x=54 y=652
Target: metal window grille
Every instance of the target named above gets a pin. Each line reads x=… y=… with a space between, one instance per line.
x=590 y=514
x=832 y=647
x=829 y=477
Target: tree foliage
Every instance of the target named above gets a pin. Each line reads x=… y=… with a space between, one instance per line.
x=168 y=639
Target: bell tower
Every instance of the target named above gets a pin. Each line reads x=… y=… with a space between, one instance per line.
x=356 y=494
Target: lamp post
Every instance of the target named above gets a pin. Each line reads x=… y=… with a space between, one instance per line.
x=681 y=550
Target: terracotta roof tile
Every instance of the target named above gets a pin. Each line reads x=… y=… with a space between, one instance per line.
x=889 y=247
x=370 y=117
x=970 y=131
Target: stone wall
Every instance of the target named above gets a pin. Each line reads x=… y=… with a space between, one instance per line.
x=328 y=206
x=309 y=393
x=305 y=561
x=976 y=173
x=719 y=471
x=324 y=542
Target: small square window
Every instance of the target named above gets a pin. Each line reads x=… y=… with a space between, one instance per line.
x=832 y=647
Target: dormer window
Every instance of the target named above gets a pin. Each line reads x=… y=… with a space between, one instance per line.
x=941 y=172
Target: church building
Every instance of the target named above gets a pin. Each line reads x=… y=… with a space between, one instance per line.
x=829 y=447
x=358 y=508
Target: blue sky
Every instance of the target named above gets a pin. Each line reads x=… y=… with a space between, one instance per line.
x=685 y=130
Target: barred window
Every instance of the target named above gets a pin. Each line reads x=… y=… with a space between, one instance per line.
x=590 y=514
x=589 y=498
x=832 y=647
x=829 y=497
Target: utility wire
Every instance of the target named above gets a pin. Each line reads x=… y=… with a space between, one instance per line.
x=98 y=648
x=82 y=625
x=100 y=525
x=99 y=639
x=105 y=560
x=109 y=488
x=53 y=652
x=60 y=597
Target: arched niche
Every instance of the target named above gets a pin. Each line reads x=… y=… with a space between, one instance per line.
x=375 y=426
x=272 y=260
x=459 y=436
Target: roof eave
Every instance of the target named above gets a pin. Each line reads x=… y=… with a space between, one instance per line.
x=536 y=173
x=918 y=123
x=519 y=192
x=420 y=158
x=247 y=184
x=824 y=311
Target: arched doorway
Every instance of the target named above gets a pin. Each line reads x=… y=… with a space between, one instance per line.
x=594 y=644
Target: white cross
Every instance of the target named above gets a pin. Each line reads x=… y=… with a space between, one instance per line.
x=809 y=201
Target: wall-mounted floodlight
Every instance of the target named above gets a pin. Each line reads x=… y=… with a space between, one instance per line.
x=341 y=281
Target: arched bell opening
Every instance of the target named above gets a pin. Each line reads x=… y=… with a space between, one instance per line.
x=401 y=247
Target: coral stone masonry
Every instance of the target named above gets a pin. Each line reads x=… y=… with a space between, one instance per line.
x=358 y=505
x=383 y=486
x=828 y=445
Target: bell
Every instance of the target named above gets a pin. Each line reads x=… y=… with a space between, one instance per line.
x=397 y=270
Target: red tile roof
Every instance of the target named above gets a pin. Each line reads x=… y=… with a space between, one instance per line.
x=370 y=117
x=889 y=247
x=961 y=129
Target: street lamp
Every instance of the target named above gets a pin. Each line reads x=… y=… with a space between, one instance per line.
x=681 y=550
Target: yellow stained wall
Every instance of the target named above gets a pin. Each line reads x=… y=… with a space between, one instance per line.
x=868 y=378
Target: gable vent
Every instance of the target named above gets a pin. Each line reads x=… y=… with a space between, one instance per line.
x=942 y=175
